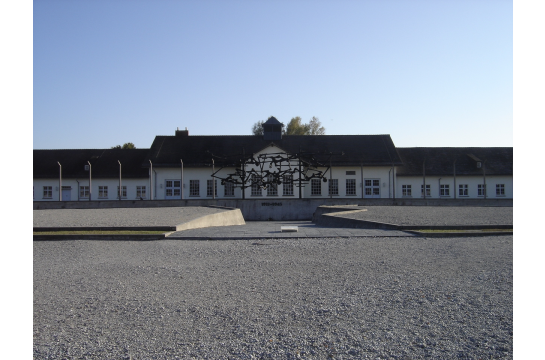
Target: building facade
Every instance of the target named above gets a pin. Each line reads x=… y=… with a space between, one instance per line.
x=272 y=166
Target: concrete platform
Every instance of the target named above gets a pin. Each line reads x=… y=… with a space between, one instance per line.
x=216 y=223
x=415 y=217
x=145 y=219
x=273 y=230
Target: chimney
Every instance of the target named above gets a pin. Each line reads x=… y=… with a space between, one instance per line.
x=182 y=132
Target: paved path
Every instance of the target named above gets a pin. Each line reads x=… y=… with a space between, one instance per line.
x=272 y=230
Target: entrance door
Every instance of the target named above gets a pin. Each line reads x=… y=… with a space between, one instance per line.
x=173 y=189
x=372 y=188
x=66 y=193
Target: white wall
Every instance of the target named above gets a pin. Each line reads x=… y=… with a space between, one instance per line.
x=202 y=174
x=383 y=174
x=379 y=173
x=161 y=175
x=472 y=182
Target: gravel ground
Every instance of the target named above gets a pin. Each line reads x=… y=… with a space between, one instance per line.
x=166 y=216
x=435 y=215
x=376 y=298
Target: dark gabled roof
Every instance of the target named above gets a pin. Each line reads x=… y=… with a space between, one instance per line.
x=103 y=163
x=440 y=161
x=272 y=121
x=196 y=151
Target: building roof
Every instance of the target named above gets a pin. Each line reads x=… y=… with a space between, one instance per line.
x=272 y=121
x=198 y=151
x=440 y=160
x=103 y=163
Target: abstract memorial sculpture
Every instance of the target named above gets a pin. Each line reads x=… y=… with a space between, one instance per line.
x=269 y=170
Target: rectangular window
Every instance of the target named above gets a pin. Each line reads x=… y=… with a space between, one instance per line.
x=209 y=185
x=500 y=189
x=353 y=172
x=272 y=188
x=256 y=189
x=229 y=189
x=406 y=190
x=123 y=192
x=103 y=192
x=463 y=190
x=428 y=190
x=444 y=190
x=140 y=192
x=315 y=187
x=48 y=192
x=173 y=189
x=481 y=189
x=84 y=192
x=350 y=186
x=194 y=189
x=372 y=188
x=333 y=186
x=287 y=188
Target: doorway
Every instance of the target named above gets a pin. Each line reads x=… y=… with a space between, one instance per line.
x=66 y=193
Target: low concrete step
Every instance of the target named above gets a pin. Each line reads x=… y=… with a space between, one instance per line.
x=289 y=228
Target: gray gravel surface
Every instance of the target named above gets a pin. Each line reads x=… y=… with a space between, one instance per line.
x=166 y=216
x=435 y=215
x=367 y=298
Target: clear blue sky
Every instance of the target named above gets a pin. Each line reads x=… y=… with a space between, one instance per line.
x=429 y=73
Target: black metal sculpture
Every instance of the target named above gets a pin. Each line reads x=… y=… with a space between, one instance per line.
x=273 y=168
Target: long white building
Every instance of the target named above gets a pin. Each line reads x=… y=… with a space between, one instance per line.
x=273 y=166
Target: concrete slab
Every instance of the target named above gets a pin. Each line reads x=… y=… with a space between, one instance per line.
x=289 y=229
x=145 y=219
x=273 y=230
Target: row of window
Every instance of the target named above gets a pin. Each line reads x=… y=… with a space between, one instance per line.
x=173 y=188
x=102 y=192
x=333 y=187
x=211 y=187
x=371 y=188
x=444 y=190
x=272 y=189
x=315 y=187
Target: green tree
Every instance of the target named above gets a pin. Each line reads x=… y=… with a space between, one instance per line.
x=257 y=129
x=128 y=145
x=315 y=127
x=296 y=127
